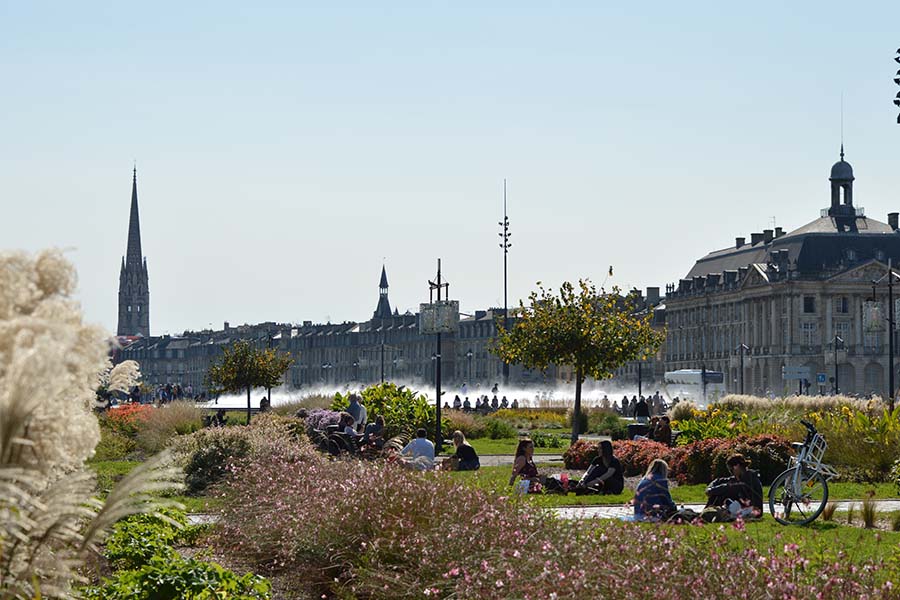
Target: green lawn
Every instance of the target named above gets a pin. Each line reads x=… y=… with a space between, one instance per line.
x=508 y=446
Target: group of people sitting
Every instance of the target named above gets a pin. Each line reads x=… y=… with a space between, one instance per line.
x=482 y=404
x=605 y=474
x=419 y=454
x=660 y=431
x=740 y=494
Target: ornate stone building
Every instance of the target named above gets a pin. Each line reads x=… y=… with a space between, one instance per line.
x=134 y=288
x=802 y=298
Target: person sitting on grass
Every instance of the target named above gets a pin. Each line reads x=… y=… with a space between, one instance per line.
x=374 y=433
x=741 y=494
x=524 y=466
x=652 y=500
x=663 y=433
x=419 y=453
x=604 y=476
x=465 y=459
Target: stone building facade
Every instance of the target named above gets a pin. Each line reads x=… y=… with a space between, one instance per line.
x=803 y=298
x=388 y=346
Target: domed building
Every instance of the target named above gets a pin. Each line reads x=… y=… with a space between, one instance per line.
x=800 y=300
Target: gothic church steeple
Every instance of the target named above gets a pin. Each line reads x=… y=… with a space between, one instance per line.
x=134 y=290
x=383 y=310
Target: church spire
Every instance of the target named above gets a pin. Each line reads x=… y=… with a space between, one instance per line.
x=383 y=310
x=133 y=256
x=134 y=288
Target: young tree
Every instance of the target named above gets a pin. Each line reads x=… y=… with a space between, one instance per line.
x=594 y=333
x=245 y=367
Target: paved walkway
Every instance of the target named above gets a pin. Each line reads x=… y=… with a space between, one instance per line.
x=618 y=511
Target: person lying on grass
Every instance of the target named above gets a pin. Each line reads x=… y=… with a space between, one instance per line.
x=604 y=476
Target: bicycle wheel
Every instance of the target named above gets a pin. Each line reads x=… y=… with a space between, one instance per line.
x=801 y=506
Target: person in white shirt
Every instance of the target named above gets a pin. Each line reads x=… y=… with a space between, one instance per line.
x=419 y=453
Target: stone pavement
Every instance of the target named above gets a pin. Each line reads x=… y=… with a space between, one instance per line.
x=618 y=511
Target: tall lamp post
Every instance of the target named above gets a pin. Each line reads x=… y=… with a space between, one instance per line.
x=837 y=340
x=469 y=358
x=890 y=286
x=505 y=245
x=743 y=348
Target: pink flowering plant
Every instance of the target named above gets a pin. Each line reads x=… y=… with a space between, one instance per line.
x=369 y=529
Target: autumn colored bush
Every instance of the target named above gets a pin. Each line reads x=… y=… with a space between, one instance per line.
x=698 y=462
x=126 y=419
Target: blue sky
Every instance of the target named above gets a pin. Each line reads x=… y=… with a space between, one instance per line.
x=285 y=150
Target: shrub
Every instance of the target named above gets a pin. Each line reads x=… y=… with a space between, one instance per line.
x=683 y=411
x=698 y=462
x=137 y=539
x=796 y=406
x=473 y=427
x=126 y=418
x=210 y=450
x=637 y=456
x=604 y=422
x=531 y=418
x=403 y=409
x=174 y=578
x=320 y=418
x=546 y=440
x=895 y=521
x=113 y=446
x=497 y=429
x=580 y=454
x=408 y=545
x=867 y=442
x=177 y=418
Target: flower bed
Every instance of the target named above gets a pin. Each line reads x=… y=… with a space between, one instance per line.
x=359 y=529
x=698 y=462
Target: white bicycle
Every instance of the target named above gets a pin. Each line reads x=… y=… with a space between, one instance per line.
x=799 y=494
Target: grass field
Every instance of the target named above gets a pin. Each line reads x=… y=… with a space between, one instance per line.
x=109 y=472
x=508 y=446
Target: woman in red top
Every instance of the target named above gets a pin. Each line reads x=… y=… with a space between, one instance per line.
x=524 y=466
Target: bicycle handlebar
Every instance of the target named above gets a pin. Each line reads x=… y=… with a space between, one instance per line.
x=809 y=426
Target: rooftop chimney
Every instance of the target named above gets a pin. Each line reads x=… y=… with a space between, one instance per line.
x=893 y=220
x=739 y=241
x=768 y=235
x=756 y=238
x=652 y=296
x=779 y=232
x=227 y=327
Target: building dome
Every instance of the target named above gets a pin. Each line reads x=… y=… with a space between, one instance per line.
x=842 y=171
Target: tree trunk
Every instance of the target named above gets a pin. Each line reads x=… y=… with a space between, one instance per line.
x=248 y=405
x=576 y=412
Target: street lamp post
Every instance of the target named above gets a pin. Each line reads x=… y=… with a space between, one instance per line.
x=837 y=340
x=325 y=367
x=890 y=286
x=469 y=357
x=639 y=379
x=743 y=348
x=505 y=245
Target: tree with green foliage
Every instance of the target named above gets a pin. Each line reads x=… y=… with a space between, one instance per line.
x=244 y=367
x=593 y=332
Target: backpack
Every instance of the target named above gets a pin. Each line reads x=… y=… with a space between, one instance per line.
x=716 y=514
